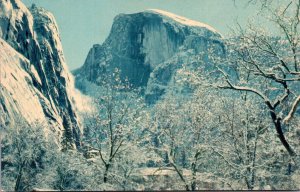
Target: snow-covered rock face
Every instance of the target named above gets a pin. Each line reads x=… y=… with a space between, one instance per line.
x=140 y=44
x=39 y=67
x=18 y=95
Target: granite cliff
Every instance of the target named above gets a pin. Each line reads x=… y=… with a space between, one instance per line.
x=35 y=82
x=148 y=48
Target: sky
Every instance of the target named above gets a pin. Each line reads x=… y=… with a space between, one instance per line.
x=83 y=23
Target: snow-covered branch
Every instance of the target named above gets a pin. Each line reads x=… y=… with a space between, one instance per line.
x=293 y=110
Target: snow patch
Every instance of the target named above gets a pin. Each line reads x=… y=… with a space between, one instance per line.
x=183 y=20
x=35 y=74
x=83 y=103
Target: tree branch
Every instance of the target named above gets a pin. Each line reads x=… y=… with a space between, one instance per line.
x=293 y=110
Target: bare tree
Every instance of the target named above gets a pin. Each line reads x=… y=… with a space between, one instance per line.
x=182 y=132
x=117 y=128
x=26 y=150
x=268 y=65
x=246 y=144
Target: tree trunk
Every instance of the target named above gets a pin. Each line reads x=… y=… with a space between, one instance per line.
x=19 y=177
x=105 y=177
x=193 y=184
x=282 y=138
x=278 y=126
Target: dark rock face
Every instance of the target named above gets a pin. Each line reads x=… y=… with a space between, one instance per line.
x=34 y=34
x=149 y=47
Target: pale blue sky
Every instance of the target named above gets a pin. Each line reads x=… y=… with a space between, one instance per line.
x=83 y=23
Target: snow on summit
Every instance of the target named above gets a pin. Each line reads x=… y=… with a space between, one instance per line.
x=183 y=20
